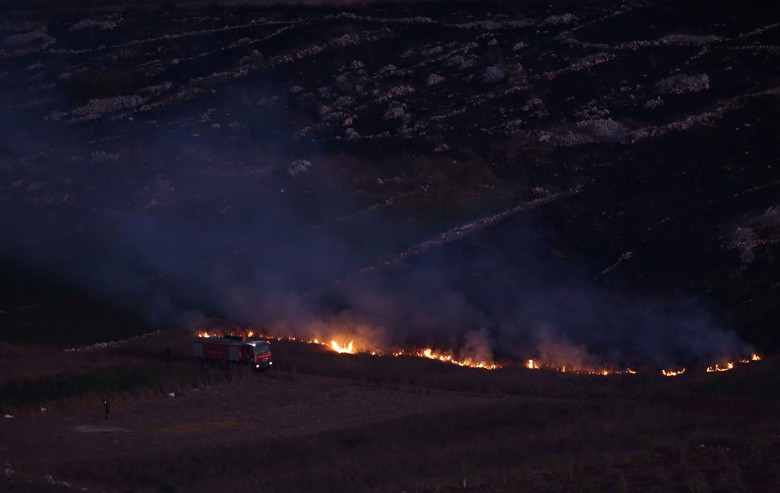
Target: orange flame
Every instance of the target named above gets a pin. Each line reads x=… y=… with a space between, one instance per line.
x=716 y=368
x=534 y=364
x=430 y=353
x=349 y=348
x=448 y=357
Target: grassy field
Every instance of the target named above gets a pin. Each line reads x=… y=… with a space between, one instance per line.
x=328 y=422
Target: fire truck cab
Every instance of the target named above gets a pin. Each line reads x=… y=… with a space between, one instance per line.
x=234 y=349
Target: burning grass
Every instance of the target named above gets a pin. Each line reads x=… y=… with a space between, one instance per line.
x=404 y=368
x=527 y=430
x=349 y=345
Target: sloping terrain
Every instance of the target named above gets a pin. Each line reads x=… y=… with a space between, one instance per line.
x=644 y=129
x=587 y=184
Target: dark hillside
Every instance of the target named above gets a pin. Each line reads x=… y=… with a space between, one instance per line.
x=276 y=166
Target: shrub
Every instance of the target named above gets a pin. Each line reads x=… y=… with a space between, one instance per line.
x=494 y=73
x=681 y=84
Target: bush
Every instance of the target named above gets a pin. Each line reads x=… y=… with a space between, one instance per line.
x=682 y=84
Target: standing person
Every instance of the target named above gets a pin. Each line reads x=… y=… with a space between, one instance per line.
x=105 y=407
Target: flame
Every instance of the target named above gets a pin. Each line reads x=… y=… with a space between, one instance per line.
x=352 y=348
x=430 y=353
x=349 y=348
x=712 y=369
x=730 y=364
x=449 y=357
x=534 y=364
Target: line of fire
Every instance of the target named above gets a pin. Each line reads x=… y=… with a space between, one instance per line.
x=350 y=346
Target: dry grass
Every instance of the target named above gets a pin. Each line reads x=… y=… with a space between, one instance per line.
x=538 y=431
x=562 y=446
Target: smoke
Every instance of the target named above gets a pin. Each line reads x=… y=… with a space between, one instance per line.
x=185 y=233
x=520 y=303
x=269 y=265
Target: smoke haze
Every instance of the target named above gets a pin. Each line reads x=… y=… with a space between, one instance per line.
x=297 y=264
x=314 y=174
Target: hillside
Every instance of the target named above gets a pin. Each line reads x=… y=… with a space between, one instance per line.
x=591 y=186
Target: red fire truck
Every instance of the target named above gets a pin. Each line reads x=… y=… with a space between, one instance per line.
x=234 y=349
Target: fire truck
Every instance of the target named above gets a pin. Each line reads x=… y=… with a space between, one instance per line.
x=234 y=349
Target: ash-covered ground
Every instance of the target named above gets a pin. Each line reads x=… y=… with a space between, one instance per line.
x=587 y=181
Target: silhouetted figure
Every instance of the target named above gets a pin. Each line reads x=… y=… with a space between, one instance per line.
x=105 y=407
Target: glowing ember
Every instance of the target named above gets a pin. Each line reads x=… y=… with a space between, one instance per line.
x=342 y=349
x=672 y=373
x=533 y=364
